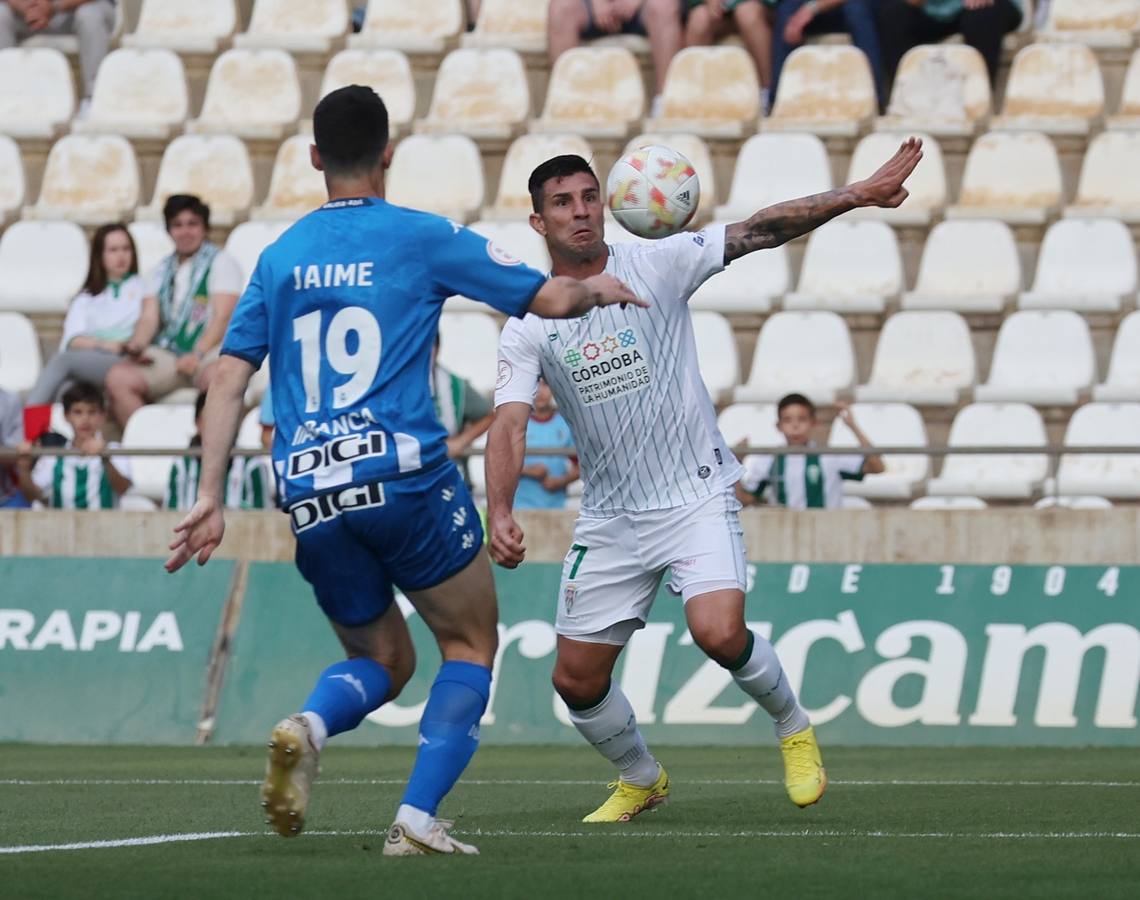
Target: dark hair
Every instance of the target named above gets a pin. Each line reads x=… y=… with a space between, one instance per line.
x=199 y=403
x=557 y=167
x=794 y=400
x=350 y=129
x=97 y=279
x=180 y=203
x=83 y=392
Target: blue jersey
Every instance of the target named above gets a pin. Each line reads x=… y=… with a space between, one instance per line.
x=554 y=432
x=346 y=303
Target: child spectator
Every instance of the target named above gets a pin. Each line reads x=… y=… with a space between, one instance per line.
x=545 y=478
x=804 y=481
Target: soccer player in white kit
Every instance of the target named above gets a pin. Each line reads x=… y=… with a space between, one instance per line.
x=658 y=477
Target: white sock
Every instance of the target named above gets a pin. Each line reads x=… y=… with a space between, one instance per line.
x=318 y=730
x=417 y=820
x=612 y=728
x=762 y=678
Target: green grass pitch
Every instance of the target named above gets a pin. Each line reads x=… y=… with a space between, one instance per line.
x=907 y=823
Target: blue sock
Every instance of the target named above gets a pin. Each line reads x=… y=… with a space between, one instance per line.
x=449 y=732
x=347 y=691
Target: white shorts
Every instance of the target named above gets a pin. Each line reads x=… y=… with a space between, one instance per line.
x=615 y=564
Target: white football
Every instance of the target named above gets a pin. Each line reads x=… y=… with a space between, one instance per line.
x=653 y=192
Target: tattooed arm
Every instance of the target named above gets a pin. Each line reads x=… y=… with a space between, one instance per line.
x=778 y=224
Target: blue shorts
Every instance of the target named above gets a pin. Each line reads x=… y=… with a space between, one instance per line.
x=355 y=545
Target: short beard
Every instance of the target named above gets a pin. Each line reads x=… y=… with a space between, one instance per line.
x=587 y=254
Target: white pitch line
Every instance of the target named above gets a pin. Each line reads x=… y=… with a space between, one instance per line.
x=129 y=842
x=196 y=782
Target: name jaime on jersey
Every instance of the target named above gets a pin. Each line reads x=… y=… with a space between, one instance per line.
x=357 y=274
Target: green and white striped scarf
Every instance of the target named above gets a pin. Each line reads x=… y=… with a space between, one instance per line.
x=183 y=318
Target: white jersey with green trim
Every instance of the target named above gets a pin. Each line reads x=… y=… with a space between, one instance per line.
x=628 y=381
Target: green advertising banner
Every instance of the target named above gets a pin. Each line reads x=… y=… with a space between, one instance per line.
x=101 y=651
x=881 y=654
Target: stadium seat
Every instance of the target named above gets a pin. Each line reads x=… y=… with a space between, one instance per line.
x=1123 y=379
x=89 y=180
x=1101 y=191
x=37 y=97
x=518 y=238
x=524 y=154
x=249 y=432
x=999 y=476
x=516 y=24
x=825 y=90
x=468 y=344
x=480 y=93
x=716 y=354
x=850 y=267
x=427 y=26
x=752 y=284
x=771 y=168
x=138 y=94
x=942 y=90
x=968 y=267
x=852 y=501
x=248 y=239
x=1056 y=89
x=295 y=187
x=1128 y=115
x=132 y=502
x=13 y=186
x=68 y=43
x=1011 y=176
x=42 y=266
x=152 y=243
x=711 y=92
x=157 y=425
x=20 y=360
x=214 y=167
x=886 y=424
x=696 y=151
x=254 y=94
x=927 y=184
x=1078 y=502
x=1041 y=357
x=593 y=91
x=807 y=352
x=750 y=423
x=387 y=72
x=1085 y=264
x=1097 y=23
x=1115 y=475
x=199 y=27
x=948 y=504
x=923 y=357
x=442 y=175
x=309 y=27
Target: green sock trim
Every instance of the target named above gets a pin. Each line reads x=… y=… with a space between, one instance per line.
x=739 y=662
x=582 y=707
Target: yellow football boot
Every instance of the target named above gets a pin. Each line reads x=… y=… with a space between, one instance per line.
x=628 y=800
x=290 y=771
x=805 y=778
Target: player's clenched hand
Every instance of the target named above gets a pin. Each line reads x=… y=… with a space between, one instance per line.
x=507 y=547
x=607 y=290
x=199 y=533
x=885 y=187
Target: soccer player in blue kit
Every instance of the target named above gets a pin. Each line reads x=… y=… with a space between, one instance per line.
x=347 y=304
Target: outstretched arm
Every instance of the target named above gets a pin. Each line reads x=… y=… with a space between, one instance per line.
x=780 y=223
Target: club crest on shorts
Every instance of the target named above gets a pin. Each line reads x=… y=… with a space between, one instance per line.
x=569 y=595
x=704 y=472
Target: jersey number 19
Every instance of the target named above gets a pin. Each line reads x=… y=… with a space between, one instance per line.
x=361 y=363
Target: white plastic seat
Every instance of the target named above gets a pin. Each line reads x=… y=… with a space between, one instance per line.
x=427 y=26
x=593 y=91
x=1128 y=115
x=523 y=157
x=1053 y=88
x=152 y=243
x=851 y=267
x=480 y=93
x=467 y=347
x=752 y=284
x=198 y=27
x=1108 y=186
x=1005 y=476
x=517 y=24
x=13 y=185
x=1114 y=475
x=248 y=239
x=948 y=504
x=967 y=266
x=1097 y=23
x=442 y=175
x=68 y=43
x=89 y=180
x=1077 y=502
x=697 y=152
x=213 y=167
x=157 y=425
x=249 y=432
x=716 y=353
x=709 y=91
x=824 y=89
x=519 y=239
x=886 y=424
x=295 y=187
x=37 y=97
x=254 y=94
x=387 y=72
x=753 y=424
x=1085 y=264
x=926 y=184
x=806 y=352
x=853 y=501
x=1123 y=379
x=771 y=168
x=1041 y=357
x=1011 y=176
x=309 y=27
x=922 y=357
x=139 y=94
x=42 y=266
x=20 y=360
x=941 y=89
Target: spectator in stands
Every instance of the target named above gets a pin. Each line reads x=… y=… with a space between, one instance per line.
x=11 y=437
x=807 y=481
x=90 y=481
x=545 y=478
x=188 y=301
x=982 y=23
x=711 y=20
x=571 y=21
x=461 y=409
x=92 y=21
x=795 y=19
